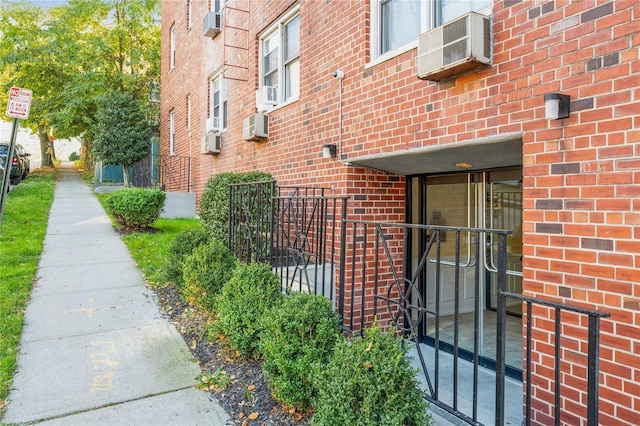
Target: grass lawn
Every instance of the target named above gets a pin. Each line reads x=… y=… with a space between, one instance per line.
x=150 y=250
x=22 y=234
x=23 y=229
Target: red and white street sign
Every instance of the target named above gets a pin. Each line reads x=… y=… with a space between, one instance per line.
x=19 y=103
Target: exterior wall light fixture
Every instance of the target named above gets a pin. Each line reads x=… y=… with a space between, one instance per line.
x=556 y=106
x=329 y=151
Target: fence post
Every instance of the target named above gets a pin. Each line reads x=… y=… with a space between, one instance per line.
x=501 y=320
x=593 y=369
x=343 y=254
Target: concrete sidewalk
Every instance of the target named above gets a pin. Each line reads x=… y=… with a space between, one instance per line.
x=95 y=348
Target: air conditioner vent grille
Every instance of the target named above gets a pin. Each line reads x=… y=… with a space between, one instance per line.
x=455 y=30
x=459 y=46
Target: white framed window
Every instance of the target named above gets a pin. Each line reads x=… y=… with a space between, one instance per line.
x=172 y=53
x=218 y=101
x=396 y=24
x=217 y=5
x=280 y=57
x=172 y=132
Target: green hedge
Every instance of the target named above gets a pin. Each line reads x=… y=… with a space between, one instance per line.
x=369 y=381
x=214 y=203
x=298 y=336
x=205 y=271
x=135 y=208
x=182 y=246
x=253 y=290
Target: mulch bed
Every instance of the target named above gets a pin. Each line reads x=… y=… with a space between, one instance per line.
x=247 y=399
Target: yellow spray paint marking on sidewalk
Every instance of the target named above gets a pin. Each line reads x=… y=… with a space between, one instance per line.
x=88 y=310
x=103 y=382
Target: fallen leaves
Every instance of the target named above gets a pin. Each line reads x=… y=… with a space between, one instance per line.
x=252 y=416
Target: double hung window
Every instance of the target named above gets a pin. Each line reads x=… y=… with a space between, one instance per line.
x=280 y=58
x=172 y=132
x=398 y=23
x=218 y=97
x=172 y=41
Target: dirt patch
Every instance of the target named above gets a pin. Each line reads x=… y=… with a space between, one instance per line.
x=247 y=394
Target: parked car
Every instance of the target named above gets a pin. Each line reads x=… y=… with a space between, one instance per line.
x=20 y=164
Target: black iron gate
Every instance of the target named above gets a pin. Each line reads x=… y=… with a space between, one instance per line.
x=364 y=267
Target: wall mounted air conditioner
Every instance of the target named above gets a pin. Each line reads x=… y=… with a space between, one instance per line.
x=211 y=144
x=266 y=96
x=213 y=125
x=211 y=24
x=255 y=127
x=458 y=46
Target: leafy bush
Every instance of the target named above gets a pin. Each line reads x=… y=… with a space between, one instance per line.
x=182 y=246
x=369 y=381
x=74 y=156
x=214 y=203
x=253 y=290
x=205 y=271
x=122 y=132
x=135 y=208
x=299 y=334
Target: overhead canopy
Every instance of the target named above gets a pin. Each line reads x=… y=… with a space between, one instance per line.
x=484 y=153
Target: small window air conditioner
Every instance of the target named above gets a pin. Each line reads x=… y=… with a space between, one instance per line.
x=255 y=127
x=211 y=24
x=266 y=96
x=211 y=144
x=458 y=46
x=213 y=125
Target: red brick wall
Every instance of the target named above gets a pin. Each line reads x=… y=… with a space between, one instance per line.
x=581 y=174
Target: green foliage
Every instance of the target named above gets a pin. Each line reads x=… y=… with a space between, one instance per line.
x=369 y=381
x=205 y=271
x=152 y=251
x=253 y=290
x=122 y=135
x=71 y=54
x=298 y=336
x=74 y=156
x=219 y=380
x=24 y=224
x=135 y=208
x=214 y=204
x=182 y=246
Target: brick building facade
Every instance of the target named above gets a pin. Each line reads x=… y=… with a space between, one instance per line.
x=472 y=149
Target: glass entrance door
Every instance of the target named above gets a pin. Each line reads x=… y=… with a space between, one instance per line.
x=490 y=200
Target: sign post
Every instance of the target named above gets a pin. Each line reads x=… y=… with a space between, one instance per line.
x=18 y=107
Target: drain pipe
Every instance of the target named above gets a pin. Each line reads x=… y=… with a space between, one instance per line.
x=339 y=74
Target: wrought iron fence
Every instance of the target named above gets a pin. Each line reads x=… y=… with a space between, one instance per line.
x=170 y=173
x=146 y=172
x=305 y=243
x=386 y=275
x=251 y=213
x=397 y=275
x=565 y=336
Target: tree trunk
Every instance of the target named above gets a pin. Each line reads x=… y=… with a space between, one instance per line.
x=125 y=176
x=45 y=146
x=86 y=155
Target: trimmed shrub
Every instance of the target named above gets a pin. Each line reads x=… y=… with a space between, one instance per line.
x=369 y=381
x=74 y=156
x=204 y=273
x=214 y=203
x=298 y=336
x=253 y=290
x=135 y=208
x=182 y=246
